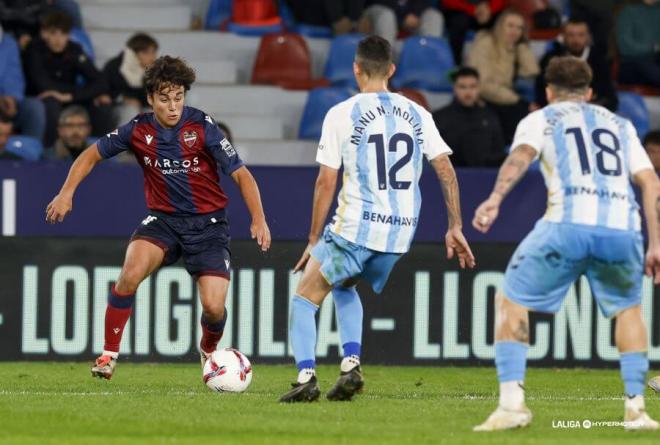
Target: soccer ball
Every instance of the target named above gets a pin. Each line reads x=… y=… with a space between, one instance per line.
x=227 y=370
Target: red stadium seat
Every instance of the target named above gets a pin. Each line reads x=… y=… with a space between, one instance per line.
x=283 y=59
x=255 y=13
x=415 y=96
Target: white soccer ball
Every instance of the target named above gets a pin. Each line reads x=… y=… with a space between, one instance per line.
x=227 y=370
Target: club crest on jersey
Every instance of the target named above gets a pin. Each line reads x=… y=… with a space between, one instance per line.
x=148 y=138
x=190 y=137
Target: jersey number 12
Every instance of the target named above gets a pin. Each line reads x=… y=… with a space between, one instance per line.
x=379 y=141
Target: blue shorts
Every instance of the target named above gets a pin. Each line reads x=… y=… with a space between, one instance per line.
x=202 y=241
x=341 y=260
x=555 y=255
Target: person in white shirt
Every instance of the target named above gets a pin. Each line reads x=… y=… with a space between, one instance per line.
x=380 y=139
x=591 y=227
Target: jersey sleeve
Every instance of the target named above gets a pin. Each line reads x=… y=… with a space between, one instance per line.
x=638 y=159
x=434 y=145
x=530 y=132
x=329 y=150
x=219 y=146
x=117 y=141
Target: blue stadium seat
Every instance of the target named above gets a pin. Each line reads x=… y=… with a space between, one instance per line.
x=424 y=64
x=26 y=147
x=339 y=66
x=218 y=13
x=319 y=101
x=82 y=38
x=254 y=31
x=632 y=106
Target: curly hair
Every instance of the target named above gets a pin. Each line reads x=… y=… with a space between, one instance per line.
x=167 y=72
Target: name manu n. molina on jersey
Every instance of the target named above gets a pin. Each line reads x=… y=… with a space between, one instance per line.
x=365 y=119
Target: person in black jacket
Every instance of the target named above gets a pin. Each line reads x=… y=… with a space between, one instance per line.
x=59 y=73
x=469 y=127
x=385 y=17
x=125 y=75
x=340 y=15
x=576 y=42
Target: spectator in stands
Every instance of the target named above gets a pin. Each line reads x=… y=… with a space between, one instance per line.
x=27 y=112
x=576 y=42
x=638 y=40
x=6 y=128
x=385 y=17
x=465 y=15
x=125 y=75
x=501 y=55
x=21 y=18
x=599 y=15
x=469 y=126
x=652 y=146
x=60 y=73
x=74 y=130
x=340 y=15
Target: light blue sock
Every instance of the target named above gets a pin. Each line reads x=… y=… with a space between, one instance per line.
x=634 y=366
x=302 y=331
x=348 y=308
x=511 y=361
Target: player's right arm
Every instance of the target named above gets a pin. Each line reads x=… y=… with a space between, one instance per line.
x=527 y=146
x=62 y=204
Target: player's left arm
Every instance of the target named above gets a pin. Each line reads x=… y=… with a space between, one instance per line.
x=454 y=239
x=250 y=191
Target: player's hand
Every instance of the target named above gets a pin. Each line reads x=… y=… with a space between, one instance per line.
x=58 y=208
x=652 y=264
x=486 y=214
x=302 y=262
x=458 y=245
x=259 y=230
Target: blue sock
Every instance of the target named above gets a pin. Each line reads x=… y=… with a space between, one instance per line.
x=634 y=366
x=348 y=308
x=510 y=360
x=302 y=330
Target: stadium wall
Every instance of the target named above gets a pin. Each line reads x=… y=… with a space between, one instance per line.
x=54 y=294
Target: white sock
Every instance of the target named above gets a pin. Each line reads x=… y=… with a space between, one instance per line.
x=306 y=374
x=512 y=395
x=112 y=354
x=349 y=363
x=635 y=403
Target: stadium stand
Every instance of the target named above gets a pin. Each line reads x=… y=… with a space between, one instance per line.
x=424 y=64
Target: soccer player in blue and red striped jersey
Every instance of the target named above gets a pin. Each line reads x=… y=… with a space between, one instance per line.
x=180 y=150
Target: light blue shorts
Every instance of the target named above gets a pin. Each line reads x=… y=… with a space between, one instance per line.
x=341 y=259
x=554 y=255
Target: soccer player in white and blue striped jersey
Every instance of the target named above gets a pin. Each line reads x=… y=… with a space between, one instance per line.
x=592 y=227
x=380 y=138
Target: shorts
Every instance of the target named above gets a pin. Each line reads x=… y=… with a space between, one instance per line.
x=554 y=255
x=341 y=259
x=202 y=241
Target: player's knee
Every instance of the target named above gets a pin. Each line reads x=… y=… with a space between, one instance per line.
x=213 y=310
x=128 y=281
x=512 y=322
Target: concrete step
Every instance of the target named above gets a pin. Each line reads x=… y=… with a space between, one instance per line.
x=253 y=127
x=287 y=152
x=136 y=18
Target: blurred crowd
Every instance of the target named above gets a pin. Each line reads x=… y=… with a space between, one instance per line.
x=52 y=92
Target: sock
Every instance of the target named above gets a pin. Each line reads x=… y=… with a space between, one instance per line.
x=306 y=374
x=212 y=333
x=349 y=363
x=635 y=403
x=117 y=312
x=302 y=331
x=511 y=361
x=634 y=366
x=348 y=308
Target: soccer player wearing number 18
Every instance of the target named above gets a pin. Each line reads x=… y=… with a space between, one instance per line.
x=380 y=138
x=592 y=227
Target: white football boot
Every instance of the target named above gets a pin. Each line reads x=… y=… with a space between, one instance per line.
x=504 y=419
x=636 y=418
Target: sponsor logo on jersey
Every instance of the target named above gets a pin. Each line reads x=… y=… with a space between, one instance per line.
x=189 y=138
x=227 y=147
x=173 y=166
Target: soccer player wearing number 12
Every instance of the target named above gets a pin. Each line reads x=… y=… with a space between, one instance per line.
x=592 y=227
x=380 y=138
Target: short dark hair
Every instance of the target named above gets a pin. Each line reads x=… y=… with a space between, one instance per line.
x=73 y=110
x=652 y=137
x=463 y=71
x=374 y=56
x=141 y=42
x=577 y=20
x=568 y=73
x=166 y=72
x=57 y=20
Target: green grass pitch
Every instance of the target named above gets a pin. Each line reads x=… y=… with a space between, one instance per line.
x=59 y=403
